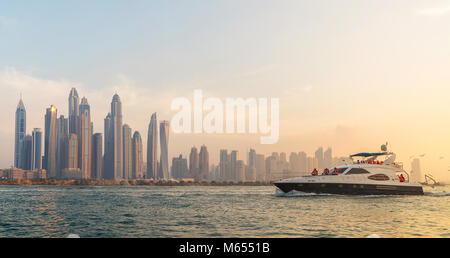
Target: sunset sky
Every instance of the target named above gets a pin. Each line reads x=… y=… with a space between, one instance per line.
x=350 y=74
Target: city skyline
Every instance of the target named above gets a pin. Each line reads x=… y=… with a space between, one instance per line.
x=388 y=59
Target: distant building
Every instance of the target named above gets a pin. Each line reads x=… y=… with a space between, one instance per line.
x=328 y=158
x=62 y=130
x=72 y=174
x=260 y=168
x=319 y=156
x=127 y=159
x=236 y=174
x=224 y=166
x=137 y=157
x=26 y=152
x=164 y=156
x=194 y=163
x=71 y=146
x=50 y=142
x=152 y=148
x=179 y=168
x=20 y=131
x=203 y=174
x=240 y=171
x=74 y=102
x=14 y=174
x=97 y=156
x=107 y=170
x=85 y=139
x=36 y=149
x=113 y=161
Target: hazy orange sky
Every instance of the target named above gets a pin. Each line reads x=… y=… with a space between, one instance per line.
x=349 y=74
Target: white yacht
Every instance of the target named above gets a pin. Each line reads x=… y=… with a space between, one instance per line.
x=367 y=176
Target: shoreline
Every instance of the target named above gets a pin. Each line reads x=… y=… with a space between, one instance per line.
x=129 y=183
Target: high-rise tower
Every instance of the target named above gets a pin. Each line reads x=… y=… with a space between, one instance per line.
x=20 y=131
x=107 y=171
x=127 y=165
x=73 y=111
x=164 y=157
x=85 y=139
x=50 y=142
x=62 y=131
x=137 y=157
x=97 y=152
x=117 y=140
x=203 y=164
x=194 y=162
x=152 y=148
x=36 y=149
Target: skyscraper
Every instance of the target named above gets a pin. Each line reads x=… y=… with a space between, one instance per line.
x=252 y=158
x=117 y=141
x=97 y=159
x=152 y=148
x=203 y=164
x=127 y=159
x=164 y=143
x=137 y=157
x=108 y=172
x=328 y=158
x=224 y=166
x=72 y=151
x=50 y=142
x=260 y=168
x=85 y=139
x=194 y=162
x=36 y=149
x=73 y=111
x=234 y=157
x=25 y=155
x=319 y=156
x=62 y=130
x=20 y=131
x=179 y=168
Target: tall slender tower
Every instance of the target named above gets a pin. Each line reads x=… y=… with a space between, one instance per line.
x=97 y=152
x=137 y=157
x=127 y=165
x=62 y=131
x=50 y=142
x=234 y=157
x=164 y=157
x=152 y=148
x=20 y=130
x=85 y=139
x=73 y=111
x=36 y=149
x=107 y=157
x=203 y=164
x=117 y=140
x=224 y=166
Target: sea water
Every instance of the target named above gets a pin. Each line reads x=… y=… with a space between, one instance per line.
x=220 y=211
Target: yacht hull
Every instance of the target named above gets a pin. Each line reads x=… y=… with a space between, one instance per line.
x=350 y=188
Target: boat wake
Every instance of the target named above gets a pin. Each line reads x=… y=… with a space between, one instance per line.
x=437 y=194
x=294 y=193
